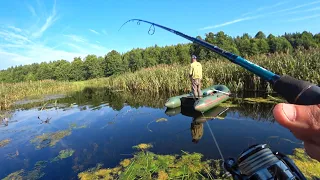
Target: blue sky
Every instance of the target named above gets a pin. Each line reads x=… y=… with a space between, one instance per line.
x=45 y=30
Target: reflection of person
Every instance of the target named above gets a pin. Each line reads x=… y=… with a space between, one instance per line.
x=196 y=131
x=303 y=122
x=195 y=75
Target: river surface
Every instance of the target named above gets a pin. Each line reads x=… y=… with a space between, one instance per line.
x=102 y=127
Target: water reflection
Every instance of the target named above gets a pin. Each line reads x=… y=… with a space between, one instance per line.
x=99 y=126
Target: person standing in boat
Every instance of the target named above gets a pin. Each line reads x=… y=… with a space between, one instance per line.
x=195 y=75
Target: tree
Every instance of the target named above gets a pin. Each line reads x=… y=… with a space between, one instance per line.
x=260 y=35
x=61 y=70
x=183 y=53
x=113 y=63
x=77 y=71
x=135 y=60
x=93 y=66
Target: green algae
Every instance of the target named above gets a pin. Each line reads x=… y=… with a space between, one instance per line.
x=63 y=154
x=35 y=173
x=5 y=142
x=308 y=166
x=148 y=165
x=18 y=175
x=50 y=139
x=161 y=120
x=143 y=146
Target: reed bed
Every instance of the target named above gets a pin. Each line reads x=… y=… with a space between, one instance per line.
x=301 y=64
x=173 y=79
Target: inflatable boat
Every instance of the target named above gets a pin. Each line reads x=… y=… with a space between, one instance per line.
x=211 y=97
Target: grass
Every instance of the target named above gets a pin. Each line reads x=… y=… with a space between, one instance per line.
x=173 y=79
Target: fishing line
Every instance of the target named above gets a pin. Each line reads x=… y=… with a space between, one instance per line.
x=214 y=139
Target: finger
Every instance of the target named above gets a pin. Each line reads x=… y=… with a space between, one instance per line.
x=303 y=121
x=312 y=150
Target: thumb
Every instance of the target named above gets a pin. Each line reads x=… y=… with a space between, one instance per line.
x=303 y=121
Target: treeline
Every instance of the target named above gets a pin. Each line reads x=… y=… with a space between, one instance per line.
x=114 y=63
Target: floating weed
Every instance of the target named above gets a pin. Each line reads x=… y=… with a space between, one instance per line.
x=125 y=162
x=4 y=142
x=259 y=100
x=98 y=173
x=147 y=165
x=143 y=146
x=308 y=166
x=161 y=120
x=35 y=173
x=50 y=139
x=63 y=154
x=18 y=175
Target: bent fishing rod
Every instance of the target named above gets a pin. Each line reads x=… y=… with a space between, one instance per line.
x=293 y=90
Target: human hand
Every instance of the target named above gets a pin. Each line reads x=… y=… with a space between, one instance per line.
x=303 y=122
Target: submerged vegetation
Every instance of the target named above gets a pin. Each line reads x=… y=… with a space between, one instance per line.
x=4 y=142
x=147 y=165
x=63 y=154
x=50 y=139
x=309 y=167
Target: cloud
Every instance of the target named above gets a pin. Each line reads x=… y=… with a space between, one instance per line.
x=304 y=18
x=93 y=31
x=49 y=21
x=301 y=11
x=31 y=9
x=264 y=8
x=104 y=32
x=76 y=38
x=15 y=28
x=296 y=7
x=19 y=46
x=266 y=14
x=229 y=22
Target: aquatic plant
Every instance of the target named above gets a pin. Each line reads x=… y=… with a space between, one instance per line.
x=173 y=79
x=147 y=165
x=161 y=120
x=308 y=166
x=50 y=139
x=4 y=142
x=63 y=154
x=143 y=146
x=35 y=173
x=18 y=175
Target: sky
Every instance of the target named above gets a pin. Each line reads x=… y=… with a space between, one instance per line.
x=34 y=31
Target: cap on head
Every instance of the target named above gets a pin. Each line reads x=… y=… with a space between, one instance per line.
x=194 y=57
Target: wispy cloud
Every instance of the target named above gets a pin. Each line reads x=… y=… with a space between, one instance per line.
x=295 y=7
x=305 y=18
x=104 y=32
x=31 y=9
x=93 y=31
x=76 y=38
x=15 y=28
x=49 y=21
x=264 y=8
x=21 y=46
x=229 y=22
x=268 y=14
x=301 y=11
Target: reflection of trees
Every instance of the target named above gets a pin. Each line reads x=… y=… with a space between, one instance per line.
x=256 y=111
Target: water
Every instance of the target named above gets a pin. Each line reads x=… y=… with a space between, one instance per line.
x=102 y=127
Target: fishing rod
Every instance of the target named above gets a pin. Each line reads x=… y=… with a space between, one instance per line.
x=293 y=90
x=258 y=161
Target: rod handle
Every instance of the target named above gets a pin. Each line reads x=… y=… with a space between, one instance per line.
x=297 y=91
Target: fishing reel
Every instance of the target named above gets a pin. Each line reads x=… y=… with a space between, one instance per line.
x=258 y=162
